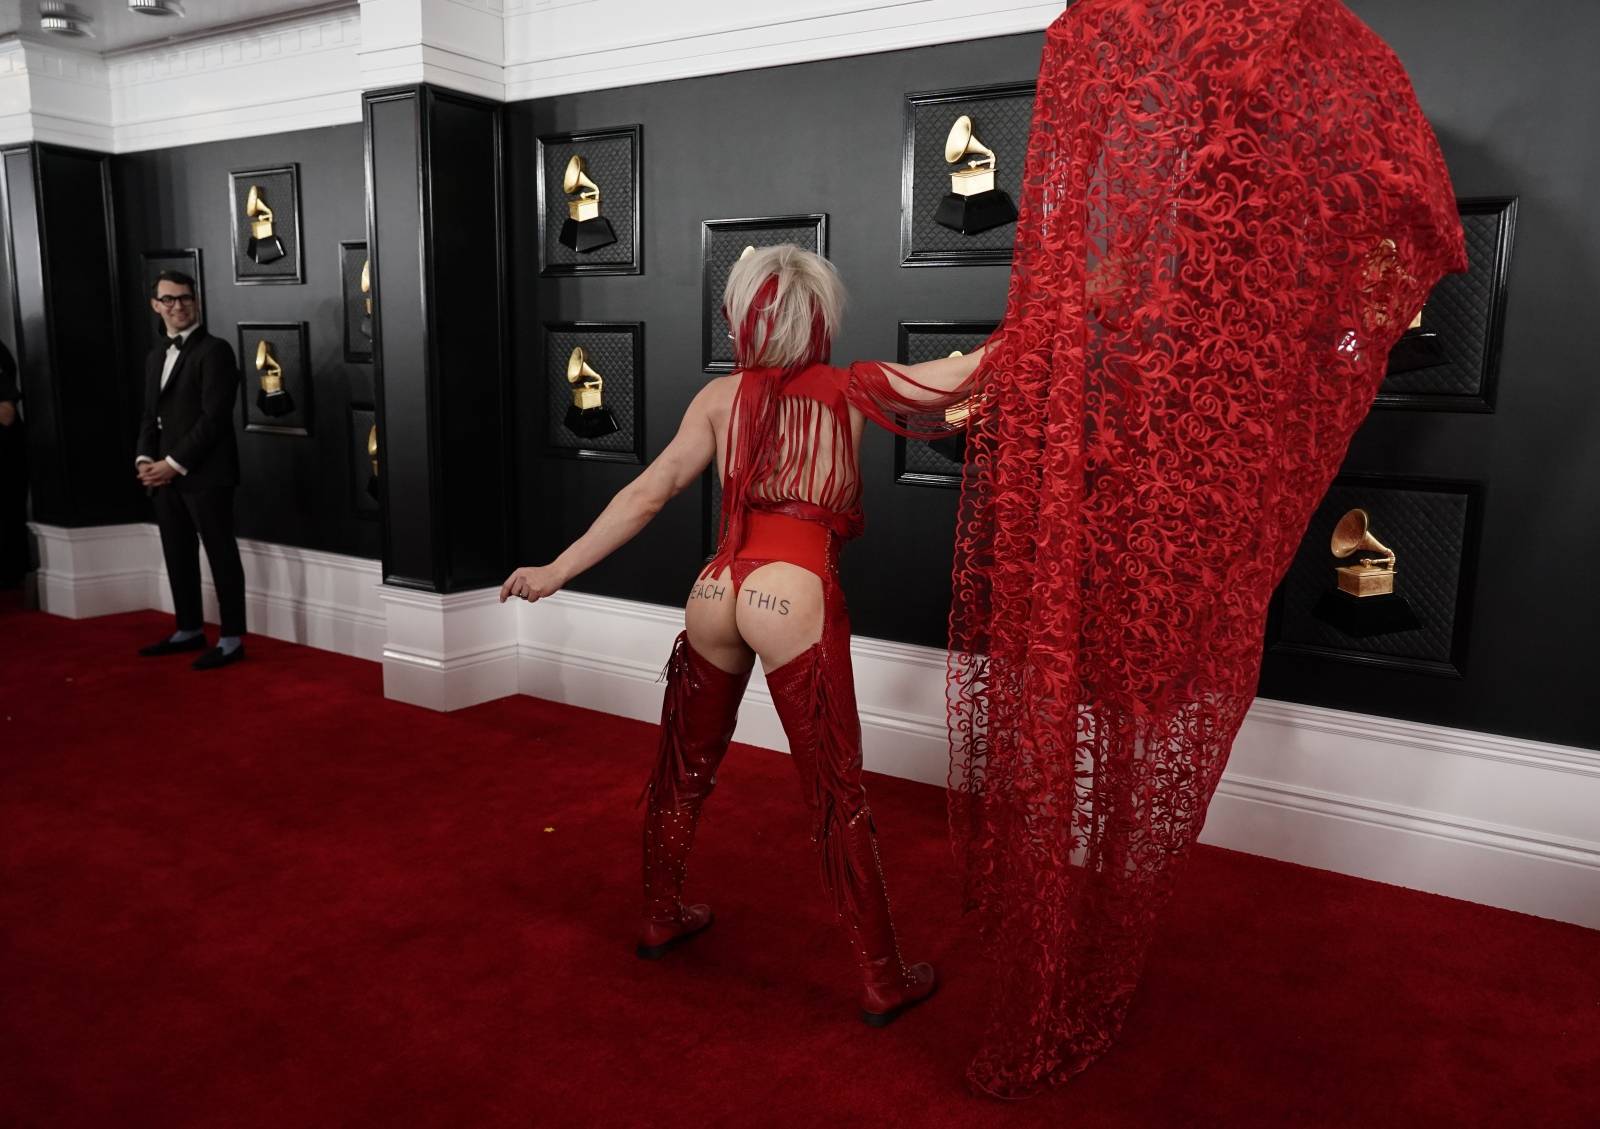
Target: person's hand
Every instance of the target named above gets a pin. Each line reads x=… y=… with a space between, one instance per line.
x=532 y=584
x=156 y=474
x=8 y=413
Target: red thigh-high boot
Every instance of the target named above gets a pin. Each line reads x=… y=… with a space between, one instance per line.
x=698 y=713
x=815 y=699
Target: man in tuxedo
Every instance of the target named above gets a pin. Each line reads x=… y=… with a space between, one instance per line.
x=13 y=477
x=188 y=458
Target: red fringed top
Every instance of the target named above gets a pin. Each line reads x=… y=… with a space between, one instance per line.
x=794 y=442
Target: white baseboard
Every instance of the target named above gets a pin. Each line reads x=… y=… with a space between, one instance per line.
x=323 y=600
x=1497 y=820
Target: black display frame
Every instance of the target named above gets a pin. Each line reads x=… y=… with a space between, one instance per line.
x=235 y=212
x=908 y=329
x=711 y=303
x=351 y=293
x=909 y=255
x=363 y=505
x=635 y=454
x=1455 y=667
x=635 y=265
x=303 y=390
x=1494 y=331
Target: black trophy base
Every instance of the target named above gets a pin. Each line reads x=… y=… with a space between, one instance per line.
x=591 y=423
x=274 y=404
x=366 y=327
x=1416 y=350
x=584 y=236
x=971 y=215
x=264 y=251
x=1364 y=616
x=373 y=489
x=952 y=447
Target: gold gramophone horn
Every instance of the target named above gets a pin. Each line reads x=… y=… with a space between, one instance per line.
x=575 y=182
x=260 y=216
x=372 y=448
x=269 y=368
x=1352 y=535
x=586 y=383
x=963 y=144
x=366 y=282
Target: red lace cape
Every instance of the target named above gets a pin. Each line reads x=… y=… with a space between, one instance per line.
x=1231 y=210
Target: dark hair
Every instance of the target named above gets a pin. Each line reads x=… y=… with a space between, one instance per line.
x=177 y=278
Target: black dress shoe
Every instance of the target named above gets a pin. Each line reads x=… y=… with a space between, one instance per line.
x=168 y=647
x=216 y=657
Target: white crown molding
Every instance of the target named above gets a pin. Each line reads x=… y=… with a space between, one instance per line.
x=671 y=42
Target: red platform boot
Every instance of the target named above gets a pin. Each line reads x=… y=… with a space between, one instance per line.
x=815 y=700
x=698 y=714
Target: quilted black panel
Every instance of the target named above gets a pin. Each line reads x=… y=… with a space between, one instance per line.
x=362 y=421
x=280 y=189
x=288 y=343
x=999 y=120
x=610 y=160
x=1428 y=531
x=723 y=241
x=610 y=352
x=1467 y=311
x=357 y=326
x=914 y=456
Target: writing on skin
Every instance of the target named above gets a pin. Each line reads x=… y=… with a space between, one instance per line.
x=761 y=601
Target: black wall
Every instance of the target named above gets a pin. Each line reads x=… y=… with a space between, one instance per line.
x=820 y=137
x=295 y=490
x=1510 y=98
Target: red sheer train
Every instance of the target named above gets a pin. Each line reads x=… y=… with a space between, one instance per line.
x=1231 y=210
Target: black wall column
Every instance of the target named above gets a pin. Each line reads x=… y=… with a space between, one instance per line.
x=435 y=236
x=82 y=408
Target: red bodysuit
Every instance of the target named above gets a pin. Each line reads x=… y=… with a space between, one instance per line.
x=791 y=492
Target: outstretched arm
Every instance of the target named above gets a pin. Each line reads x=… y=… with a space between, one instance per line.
x=631 y=509
x=932 y=382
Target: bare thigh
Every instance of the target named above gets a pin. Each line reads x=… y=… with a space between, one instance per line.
x=780 y=612
x=713 y=630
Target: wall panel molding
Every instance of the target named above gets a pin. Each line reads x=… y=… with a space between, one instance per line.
x=565 y=48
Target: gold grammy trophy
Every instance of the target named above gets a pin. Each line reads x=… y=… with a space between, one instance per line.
x=273 y=399
x=1364 y=601
x=585 y=229
x=366 y=296
x=372 y=457
x=954 y=447
x=264 y=246
x=974 y=204
x=587 y=416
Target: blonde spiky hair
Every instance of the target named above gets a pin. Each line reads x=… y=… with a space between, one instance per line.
x=792 y=326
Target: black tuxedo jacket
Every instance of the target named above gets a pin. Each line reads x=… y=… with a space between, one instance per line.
x=191 y=419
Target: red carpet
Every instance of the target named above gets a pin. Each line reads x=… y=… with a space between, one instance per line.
x=265 y=896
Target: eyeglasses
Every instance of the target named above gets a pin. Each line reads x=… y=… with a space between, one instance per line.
x=170 y=300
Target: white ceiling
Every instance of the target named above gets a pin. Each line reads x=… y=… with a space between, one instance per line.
x=115 y=28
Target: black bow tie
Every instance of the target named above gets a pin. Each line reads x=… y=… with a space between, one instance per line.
x=176 y=343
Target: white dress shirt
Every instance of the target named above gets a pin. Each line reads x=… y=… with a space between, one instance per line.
x=169 y=363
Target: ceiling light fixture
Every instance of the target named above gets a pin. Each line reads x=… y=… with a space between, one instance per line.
x=59 y=18
x=156 y=7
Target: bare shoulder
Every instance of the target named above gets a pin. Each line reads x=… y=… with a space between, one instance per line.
x=716 y=397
